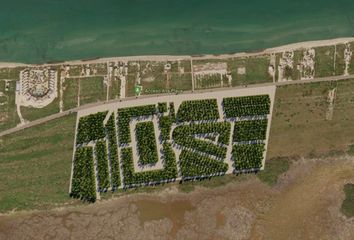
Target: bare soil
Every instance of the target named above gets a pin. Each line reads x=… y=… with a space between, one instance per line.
x=304 y=204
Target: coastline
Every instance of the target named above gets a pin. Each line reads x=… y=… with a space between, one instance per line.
x=282 y=48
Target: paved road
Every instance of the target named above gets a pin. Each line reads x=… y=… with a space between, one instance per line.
x=74 y=110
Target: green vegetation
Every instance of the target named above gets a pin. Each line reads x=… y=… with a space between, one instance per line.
x=83 y=184
x=211 y=81
x=162 y=107
x=351 y=150
x=75 y=70
x=8 y=113
x=114 y=88
x=351 y=64
x=300 y=112
x=146 y=141
x=91 y=128
x=324 y=60
x=184 y=136
x=181 y=81
x=273 y=169
x=102 y=165
x=250 y=130
x=348 y=203
x=248 y=156
x=172 y=112
x=35 y=166
x=195 y=165
x=70 y=93
x=246 y=106
x=124 y=117
x=256 y=70
x=31 y=113
x=340 y=63
x=293 y=73
x=197 y=110
x=165 y=124
x=92 y=89
x=10 y=73
x=169 y=173
x=113 y=151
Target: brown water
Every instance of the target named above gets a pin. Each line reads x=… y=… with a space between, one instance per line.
x=155 y=210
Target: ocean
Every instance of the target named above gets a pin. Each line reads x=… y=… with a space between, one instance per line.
x=37 y=31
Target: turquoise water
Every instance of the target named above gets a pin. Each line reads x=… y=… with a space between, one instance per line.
x=53 y=30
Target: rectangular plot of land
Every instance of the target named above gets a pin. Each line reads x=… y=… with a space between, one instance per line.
x=92 y=89
x=114 y=88
x=70 y=93
x=195 y=165
x=250 y=70
x=250 y=130
x=8 y=113
x=102 y=165
x=324 y=61
x=146 y=142
x=198 y=110
x=247 y=156
x=83 y=183
x=246 y=106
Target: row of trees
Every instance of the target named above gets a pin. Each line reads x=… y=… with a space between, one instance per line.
x=246 y=106
x=102 y=166
x=113 y=151
x=197 y=110
x=195 y=165
x=124 y=117
x=146 y=142
x=131 y=178
x=91 y=128
x=248 y=156
x=250 y=130
x=165 y=124
x=183 y=136
x=83 y=183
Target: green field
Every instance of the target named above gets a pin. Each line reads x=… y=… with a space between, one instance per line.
x=340 y=63
x=324 y=61
x=31 y=113
x=256 y=70
x=114 y=88
x=92 y=89
x=35 y=166
x=8 y=114
x=299 y=119
x=70 y=93
x=10 y=73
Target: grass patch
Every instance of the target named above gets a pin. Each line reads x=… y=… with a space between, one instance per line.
x=351 y=150
x=299 y=119
x=273 y=169
x=114 y=88
x=324 y=61
x=10 y=73
x=70 y=93
x=340 y=63
x=31 y=113
x=348 y=203
x=8 y=113
x=35 y=166
x=92 y=89
x=256 y=70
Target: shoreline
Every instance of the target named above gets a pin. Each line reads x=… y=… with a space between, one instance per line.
x=282 y=48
